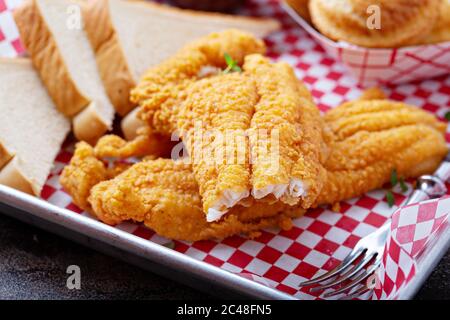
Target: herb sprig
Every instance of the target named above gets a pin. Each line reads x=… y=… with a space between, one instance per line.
x=390 y=198
x=232 y=65
x=394 y=181
x=447 y=116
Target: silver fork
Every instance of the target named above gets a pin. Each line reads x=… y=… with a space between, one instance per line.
x=371 y=247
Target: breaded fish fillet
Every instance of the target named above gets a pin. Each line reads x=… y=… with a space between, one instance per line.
x=146 y=144
x=84 y=172
x=163 y=194
x=371 y=138
x=376 y=115
x=286 y=136
x=268 y=104
x=162 y=88
x=365 y=160
x=213 y=122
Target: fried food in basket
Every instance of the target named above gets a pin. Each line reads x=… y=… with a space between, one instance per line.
x=401 y=22
x=163 y=87
x=441 y=30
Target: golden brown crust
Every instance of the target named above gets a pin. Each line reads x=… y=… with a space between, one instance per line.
x=441 y=31
x=163 y=87
x=377 y=115
x=285 y=108
x=164 y=195
x=373 y=137
x=365 y=161
x=46 y=57
x=220 y=106
x=83 y=172
x=146 y=144
x=112 y=64
x=374 y=93
x=403 y=22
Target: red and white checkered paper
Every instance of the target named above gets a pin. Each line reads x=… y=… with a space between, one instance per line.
x=412 y=229
x=322 y=238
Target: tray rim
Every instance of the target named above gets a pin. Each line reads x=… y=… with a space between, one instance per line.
x=161 y=255
x=158 y=254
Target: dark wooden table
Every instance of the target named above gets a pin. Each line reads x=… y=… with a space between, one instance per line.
x=33 y=265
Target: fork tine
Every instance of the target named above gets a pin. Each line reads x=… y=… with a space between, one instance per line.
x=360 y=291
x=330 y=284
x=352 y=256
x=350 y=273
x=355 y=281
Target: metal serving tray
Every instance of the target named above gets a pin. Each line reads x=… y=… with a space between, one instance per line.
x=167 y=262
x=331 y=86
x=130 y=248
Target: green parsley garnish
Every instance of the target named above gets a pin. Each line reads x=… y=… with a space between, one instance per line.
x=403 y=185
x=447 y=116
x=231 y=64
x=390 y=198
x=394 y=178
x=394 y=181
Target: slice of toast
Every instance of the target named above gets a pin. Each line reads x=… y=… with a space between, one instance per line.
x=52 y=32
x=31 y=128
x=129 y=37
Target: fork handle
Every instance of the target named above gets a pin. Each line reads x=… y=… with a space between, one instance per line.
x=431 y=186
x=415 y=197
x=428 y=187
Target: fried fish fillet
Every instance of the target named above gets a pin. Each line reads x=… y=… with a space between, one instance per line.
x=163 y=87
x=145 y=144
x=213 y=122
x=286 y=136
x=371 y=138
x=85 y=171
x=164 y=194
x=264 y=115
